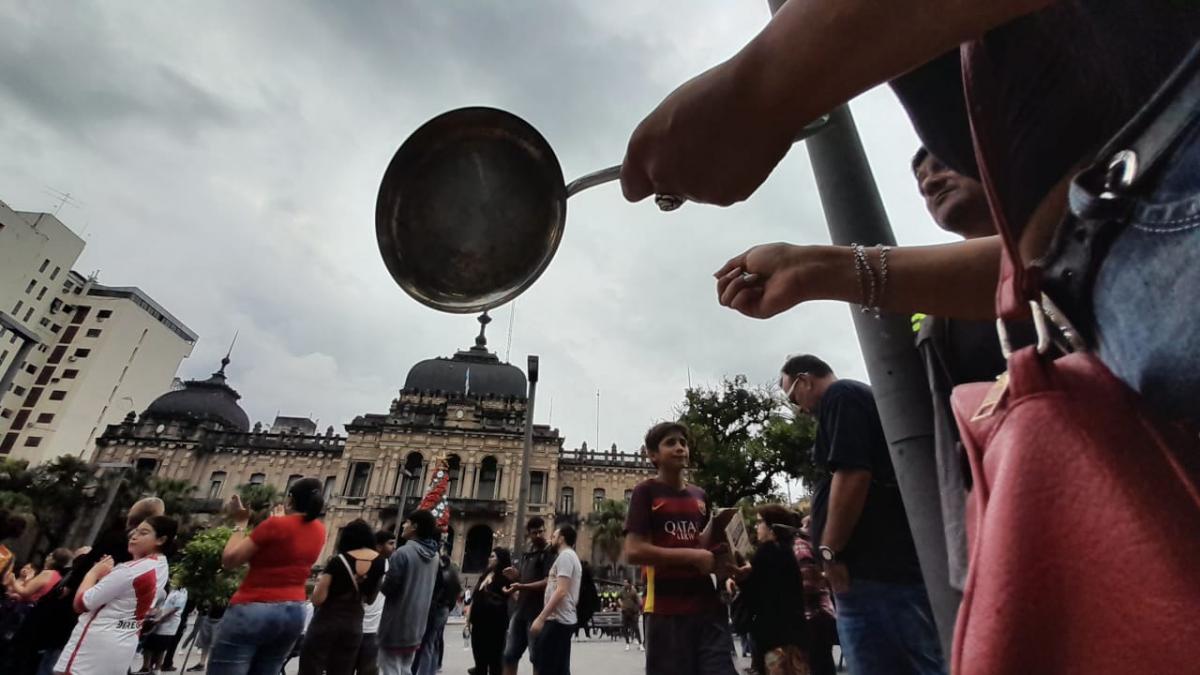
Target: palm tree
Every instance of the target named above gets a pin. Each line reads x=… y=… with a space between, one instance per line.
x=259 y=498
x=607 y=523
x=178 y=497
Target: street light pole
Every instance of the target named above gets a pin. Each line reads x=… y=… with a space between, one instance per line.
x=854 y=213
x=526 y=456
x=113 y=488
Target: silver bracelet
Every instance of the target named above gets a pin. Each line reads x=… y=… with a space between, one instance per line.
x=883 y=274
x=863 y=268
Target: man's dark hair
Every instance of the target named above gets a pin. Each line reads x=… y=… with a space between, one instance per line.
x=425 y=523
x=659 y=432
x=568 y=533
x=805 y=363
x=922 y=153
x=534 y=523
x=384 y=536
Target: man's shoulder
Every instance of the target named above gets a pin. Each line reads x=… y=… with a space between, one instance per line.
x=849 y=388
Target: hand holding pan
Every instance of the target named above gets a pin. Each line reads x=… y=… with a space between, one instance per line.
x=472 y=208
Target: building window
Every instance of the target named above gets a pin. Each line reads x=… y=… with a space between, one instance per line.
x=58 y=395
x=42 y=293
x=28 y=315
x=488 y=473
x=628 y=495
x=454 y=466
x=17 y=307
x=55 y=305
x=9 y=441
x=32 y=285
x=360 y=473
x=103 y=314
x=57 y=355
x=3 y=355
x=45 y=418
x=54 y=274
x=146 y=465
x=408 y=481
x=45 y=264
x=44 y=322
x=330 y=486
x=597 y=497
x=6 y=413
x=82 y=353
x=19 y=390
x=55 y=329
x=537 y=487
x=566 y=500
x=93 y=332
x=215 y=483
x=80 y=314
x=35 y=394
x=258 y=478
x=292 y=481
x=33 y=441
x=70 y=374
x=30 y=368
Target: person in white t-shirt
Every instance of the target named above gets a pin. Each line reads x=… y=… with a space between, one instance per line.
x=113 y=601
x=368 y=649
x=554 y=626
x=168 y=616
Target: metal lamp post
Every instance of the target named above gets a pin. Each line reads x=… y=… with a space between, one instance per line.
x=526 y=455
x=854 y=213
x=102 y=514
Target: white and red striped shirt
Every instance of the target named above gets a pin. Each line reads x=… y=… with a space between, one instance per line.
x=105 y=638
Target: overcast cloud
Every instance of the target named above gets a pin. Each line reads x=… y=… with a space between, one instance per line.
x=226 y=158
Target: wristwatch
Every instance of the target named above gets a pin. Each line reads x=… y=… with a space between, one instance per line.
x=828 y=555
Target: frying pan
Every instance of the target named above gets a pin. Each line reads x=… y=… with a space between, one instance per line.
x=473 y=206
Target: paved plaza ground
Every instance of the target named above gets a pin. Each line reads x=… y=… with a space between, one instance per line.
x=598 y=656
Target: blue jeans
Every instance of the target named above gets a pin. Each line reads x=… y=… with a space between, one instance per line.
x=256 y=638
x=1145 y=322
x=888 y=629
x=427 y=658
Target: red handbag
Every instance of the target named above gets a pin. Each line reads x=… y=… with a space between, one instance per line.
x=1084 y=518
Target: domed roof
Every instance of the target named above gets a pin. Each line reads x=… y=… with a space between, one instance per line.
x=475 y=372
x=210 y=400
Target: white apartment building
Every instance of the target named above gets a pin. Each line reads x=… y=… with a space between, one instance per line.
x=88 y=354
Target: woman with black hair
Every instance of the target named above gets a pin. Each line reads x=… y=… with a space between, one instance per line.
x=350 y=579
x=114 y=599
x=772 y=588
x=488 y=614
x=266 y=614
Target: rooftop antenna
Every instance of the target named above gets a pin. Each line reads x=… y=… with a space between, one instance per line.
x=689 y=371
x=63 y=199
x=512 y=313
x=225 y=361
x=550 y=422
x=597 y=419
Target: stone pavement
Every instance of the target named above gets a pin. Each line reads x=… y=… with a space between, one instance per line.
x=597 y=656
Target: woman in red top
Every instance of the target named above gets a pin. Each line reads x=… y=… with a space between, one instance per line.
x=266 y=615
x=30 y=586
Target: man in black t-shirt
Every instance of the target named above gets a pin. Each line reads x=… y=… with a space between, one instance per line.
x=530 y=586
x=861 y=529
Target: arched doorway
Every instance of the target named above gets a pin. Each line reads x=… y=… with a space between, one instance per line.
x=478 y=548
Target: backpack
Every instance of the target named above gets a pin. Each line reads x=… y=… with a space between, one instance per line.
x=589 y=598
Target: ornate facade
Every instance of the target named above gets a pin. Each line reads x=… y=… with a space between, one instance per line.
x=468 y=410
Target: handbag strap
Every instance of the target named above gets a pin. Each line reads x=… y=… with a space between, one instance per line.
x=353 y=574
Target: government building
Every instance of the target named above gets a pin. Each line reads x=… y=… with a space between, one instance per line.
x=467 y=410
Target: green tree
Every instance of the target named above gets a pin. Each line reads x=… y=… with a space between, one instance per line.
x=62 y=491
x=744 y=440
x=607 y=523
x=16 y=480
x=259 y=498
x=198 y=569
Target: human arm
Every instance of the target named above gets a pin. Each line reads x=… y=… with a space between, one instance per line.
x=393 y=579
x=241 y=547
x=538 y=586
x=321 y=590
x=847 y=497
x=99 y=586
x=556 y=598
x=952 y=280
x=28 y=586
x=718 y=136
x=639 y=551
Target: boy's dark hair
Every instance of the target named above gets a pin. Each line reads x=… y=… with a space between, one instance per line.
x=384 y=536
x=425 y=523
x=659 y=432
x=534 y=523
x=921 y=154
x=807 y=364
x=569 y=534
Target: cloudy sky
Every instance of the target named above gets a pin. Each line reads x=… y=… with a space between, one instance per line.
x=225 y=157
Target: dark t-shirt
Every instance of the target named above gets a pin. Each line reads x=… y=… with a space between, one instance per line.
x=344 y=599
x=775 y=594
x=672 y=518
x=535 y=567
x=850 y=436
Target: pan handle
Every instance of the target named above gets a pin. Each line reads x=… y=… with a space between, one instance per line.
x=665 y=202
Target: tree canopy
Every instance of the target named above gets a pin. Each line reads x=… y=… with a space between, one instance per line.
x=745 y=440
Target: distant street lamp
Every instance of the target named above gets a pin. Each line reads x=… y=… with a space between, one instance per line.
x=102 y=514
x=526 y=456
